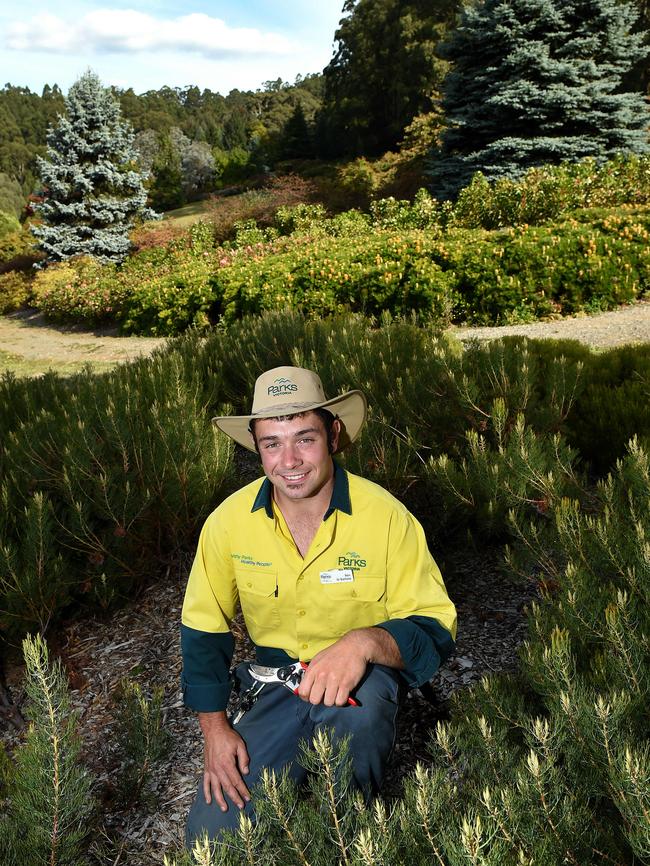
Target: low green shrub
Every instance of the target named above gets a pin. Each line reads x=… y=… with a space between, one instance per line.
x=329 y=275
x=50 y=800
x=101 y=478
x=613 y=406
x=18 y=251
x=551 y=191
x=165 y=292
x=8 y=224
x=15 y=291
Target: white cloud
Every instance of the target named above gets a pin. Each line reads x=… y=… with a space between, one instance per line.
x=131 y=32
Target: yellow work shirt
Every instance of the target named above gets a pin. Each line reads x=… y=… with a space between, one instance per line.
x=368 y=565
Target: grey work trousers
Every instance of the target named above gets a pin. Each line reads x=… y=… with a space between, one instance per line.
x=273 y=728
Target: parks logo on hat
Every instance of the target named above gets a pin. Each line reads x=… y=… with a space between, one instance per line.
x=289 y=391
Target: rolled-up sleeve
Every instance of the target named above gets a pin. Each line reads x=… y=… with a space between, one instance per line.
x=206 y=641
x=422 y=617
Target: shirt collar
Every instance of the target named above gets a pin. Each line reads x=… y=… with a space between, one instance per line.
x=340 y=495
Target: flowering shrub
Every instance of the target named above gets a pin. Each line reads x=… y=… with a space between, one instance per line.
x=15 y=291
x=80 y=289
x=165 y=294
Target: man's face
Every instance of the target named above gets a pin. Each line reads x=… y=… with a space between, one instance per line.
x=294 y=454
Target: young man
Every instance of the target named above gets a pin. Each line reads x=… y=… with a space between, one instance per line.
x=330 y=570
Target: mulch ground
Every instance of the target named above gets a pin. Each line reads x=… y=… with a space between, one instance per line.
x=141 y=642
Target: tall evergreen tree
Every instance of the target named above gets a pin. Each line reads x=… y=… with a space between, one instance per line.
x=295 y=138
x=535 y=82
x=383 y=73
x=93 y=189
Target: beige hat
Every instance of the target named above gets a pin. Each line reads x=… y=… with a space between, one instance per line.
x=288 y=391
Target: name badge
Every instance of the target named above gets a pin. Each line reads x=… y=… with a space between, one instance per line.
x=337 y=575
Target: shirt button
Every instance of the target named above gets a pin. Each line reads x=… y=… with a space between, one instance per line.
x=249 y=584
x=302 y=612
x=354 y=593
x=305 y=645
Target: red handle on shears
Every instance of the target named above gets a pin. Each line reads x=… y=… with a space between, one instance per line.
x=304 y=666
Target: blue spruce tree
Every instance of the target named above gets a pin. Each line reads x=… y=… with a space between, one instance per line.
x=94 y=190
x=537 y=82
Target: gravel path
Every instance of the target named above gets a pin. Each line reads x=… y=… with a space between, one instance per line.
x=28 y=335
x=629 y=324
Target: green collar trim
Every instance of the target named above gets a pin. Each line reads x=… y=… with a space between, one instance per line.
x=340 y=495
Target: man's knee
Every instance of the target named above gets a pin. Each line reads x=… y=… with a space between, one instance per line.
x=208 y=818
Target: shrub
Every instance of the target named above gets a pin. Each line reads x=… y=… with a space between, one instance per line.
x=548 y=192
x=81 y=289
x=102 y=476
x=15 y=291
x=156 y=234
x=50 y=801
x=18 y=251
x=166 y=291
x=8 y=224
x=260 y=205
x=327 y=275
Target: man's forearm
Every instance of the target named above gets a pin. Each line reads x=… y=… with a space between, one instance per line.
x=213 y=723
x=379 y=647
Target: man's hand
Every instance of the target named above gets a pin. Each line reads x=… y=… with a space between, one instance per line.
x=226 y=759
x=335 y=671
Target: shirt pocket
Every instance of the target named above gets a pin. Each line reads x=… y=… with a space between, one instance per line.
x=259 y=603
x=358 y=604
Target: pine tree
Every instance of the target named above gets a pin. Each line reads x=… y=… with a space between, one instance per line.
x=536 y=82
x=93 y=189
x=295 y=139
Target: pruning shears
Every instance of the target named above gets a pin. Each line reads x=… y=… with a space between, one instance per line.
x=289 y=676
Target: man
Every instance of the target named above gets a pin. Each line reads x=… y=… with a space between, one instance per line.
x=330 y=570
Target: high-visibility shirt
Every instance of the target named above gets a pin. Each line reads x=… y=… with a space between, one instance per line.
x=368 y=565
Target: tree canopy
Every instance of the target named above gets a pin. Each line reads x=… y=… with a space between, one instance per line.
x=384 y=72
x=535 y=82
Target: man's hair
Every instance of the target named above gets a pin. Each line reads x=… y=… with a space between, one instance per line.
x=324 y=414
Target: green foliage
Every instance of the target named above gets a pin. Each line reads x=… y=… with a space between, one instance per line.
x=141 y=738
x=547 y=192
x=102 y=477
x=521 y=472
x=15 y=291
x=50 y=803
x=12 y=201
x=18 y=251
x=383 y=73
x=329 y=275
x=613 y=406
x=260 y=205
x=81 y=289
x=8 y=224
x=167 y=291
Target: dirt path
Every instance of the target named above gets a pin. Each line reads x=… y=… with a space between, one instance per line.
x=29 y=345
x=629 y=324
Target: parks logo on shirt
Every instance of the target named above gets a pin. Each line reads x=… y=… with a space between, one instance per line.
x=351 y=559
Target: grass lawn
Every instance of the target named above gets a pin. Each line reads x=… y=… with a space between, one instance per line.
x=188 y=214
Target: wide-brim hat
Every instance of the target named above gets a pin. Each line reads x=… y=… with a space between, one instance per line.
x=289 y=391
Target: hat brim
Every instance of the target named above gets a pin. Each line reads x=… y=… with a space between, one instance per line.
x=351 y=409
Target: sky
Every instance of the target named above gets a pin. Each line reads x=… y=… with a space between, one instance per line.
x=220 y=45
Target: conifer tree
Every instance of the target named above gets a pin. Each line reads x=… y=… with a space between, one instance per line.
x=93 y=189
x=536 y=82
